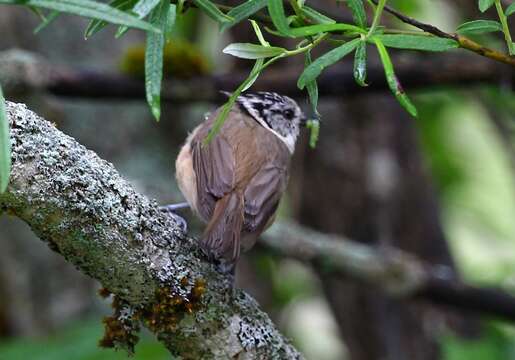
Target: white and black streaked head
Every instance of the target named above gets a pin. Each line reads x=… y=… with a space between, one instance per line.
x=277 y=113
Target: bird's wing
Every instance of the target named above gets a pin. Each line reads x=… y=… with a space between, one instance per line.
x=263 y=194
x=214 y=165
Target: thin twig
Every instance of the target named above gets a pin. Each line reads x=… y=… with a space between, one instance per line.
x=463 y=41
x=410 y=21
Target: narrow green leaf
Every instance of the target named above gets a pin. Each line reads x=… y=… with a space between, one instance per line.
x=252 y=51
x=222 y=116
x=243 y=11
x=144 y=7
x=172 y=16
x=37 y=12
x=311 y=72
x=226 y=108
x=276 y=11
x=312 y=87
x=47 y=21
x=259 y=34
x=479 y=27
x=485 y=4
x=417 y=42
x=5 y=146
x=95 y=25
x=316 y=16
x=314 y=127
x=154 y=57
x=180 y=6
x=321 y=28
x=360 y=64
x=393 y=81
x=510 y=9
x=213 y=11
x=358 y=12
x=141 y=9
x=89 y=9
x=313 y=124
x=255 y=70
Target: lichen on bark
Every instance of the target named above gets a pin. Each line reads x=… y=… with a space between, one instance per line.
x=84 y=210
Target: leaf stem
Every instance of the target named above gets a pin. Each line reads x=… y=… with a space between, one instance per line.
x=505 y=28
x=377 y=17
x=296 y=8
x=259 y=34
x=303 y=49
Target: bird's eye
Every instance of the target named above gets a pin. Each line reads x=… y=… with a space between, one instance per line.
x=288 y=114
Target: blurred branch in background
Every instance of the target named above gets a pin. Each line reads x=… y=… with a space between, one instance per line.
x=395 y=272
x=21 y=71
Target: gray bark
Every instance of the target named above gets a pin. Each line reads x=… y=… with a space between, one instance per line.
x=84 y=210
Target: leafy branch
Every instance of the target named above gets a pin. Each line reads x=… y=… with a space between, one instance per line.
x=358 y=35
x=303 y=22
x=469 y=28
x=485 y=5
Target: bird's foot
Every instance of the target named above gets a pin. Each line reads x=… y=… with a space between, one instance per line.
x=222 y=266
x=174 y=207
x=170 y=210
x=229 y=270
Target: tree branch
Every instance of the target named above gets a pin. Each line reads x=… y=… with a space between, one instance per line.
x=393 y=271
x=80 y=206
x=463 y=41
x=21 y=71
x=84 y=210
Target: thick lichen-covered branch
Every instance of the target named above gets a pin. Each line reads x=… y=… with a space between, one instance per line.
x=84 y=210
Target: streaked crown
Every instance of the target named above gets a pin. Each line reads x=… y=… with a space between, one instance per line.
x=277 y=113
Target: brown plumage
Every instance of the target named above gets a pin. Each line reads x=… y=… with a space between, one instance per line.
x=235 y=202
x=235 y=182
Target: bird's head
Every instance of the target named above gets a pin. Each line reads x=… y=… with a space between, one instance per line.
x=277 y=113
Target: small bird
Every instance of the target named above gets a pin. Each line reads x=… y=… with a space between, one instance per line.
x=235 y=182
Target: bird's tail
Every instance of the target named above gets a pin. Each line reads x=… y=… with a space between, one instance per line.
x=221 y=238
